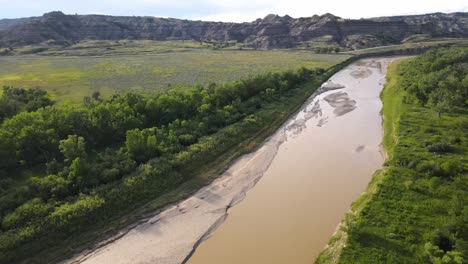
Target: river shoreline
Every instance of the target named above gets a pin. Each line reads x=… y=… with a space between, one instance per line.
x=210 y=205
x=344 y=132
x=266 y=153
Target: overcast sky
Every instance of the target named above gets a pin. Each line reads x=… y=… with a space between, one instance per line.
x=230 y=10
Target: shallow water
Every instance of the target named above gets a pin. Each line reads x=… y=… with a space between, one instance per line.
x=305 y=177
x=331 y=151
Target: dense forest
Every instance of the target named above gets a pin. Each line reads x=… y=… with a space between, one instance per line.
x=16 y=100
x=439 y=80
x=416 y=208
x=64 y=168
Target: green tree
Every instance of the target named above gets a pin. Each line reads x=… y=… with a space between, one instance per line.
x=73 y=147
x=16 y=100
x=136 y=143
x=79 y=174
x=51 y=186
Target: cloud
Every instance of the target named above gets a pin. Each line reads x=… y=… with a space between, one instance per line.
x=231 y=10
x=238 y=11
x=165 y=3
x=234 y=16
x=243 y=10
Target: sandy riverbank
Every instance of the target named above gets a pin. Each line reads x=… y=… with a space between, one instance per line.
x=331 y=152
x=172 y=236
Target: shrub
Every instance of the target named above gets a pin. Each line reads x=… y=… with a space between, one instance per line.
x=76 y=211
x=187 y=139
x=451 y=168
x=429 y=167
x=440 y=148
x=26 y=213
x=50 y=186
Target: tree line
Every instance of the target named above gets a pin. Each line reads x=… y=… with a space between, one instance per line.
x=16 y=100
x=95 y=161
x=438 y=79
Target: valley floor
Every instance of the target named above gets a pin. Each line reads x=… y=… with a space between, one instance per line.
x=144 y=67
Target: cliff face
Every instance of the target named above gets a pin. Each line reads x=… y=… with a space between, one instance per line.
x=270 y=32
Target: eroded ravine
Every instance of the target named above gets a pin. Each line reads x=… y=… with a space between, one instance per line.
x=311 y=170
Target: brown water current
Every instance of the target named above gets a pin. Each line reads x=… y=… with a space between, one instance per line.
x=305 y=176
x=317 y=173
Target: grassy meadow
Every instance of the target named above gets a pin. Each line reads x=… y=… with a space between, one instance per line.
x=110 y=67
x=410 y=45
x=70 y=74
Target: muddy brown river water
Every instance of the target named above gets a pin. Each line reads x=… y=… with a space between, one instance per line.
x=317 y=173
x=282 y=203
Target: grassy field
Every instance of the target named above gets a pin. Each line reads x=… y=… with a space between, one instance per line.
x=108 y=48
x=70 y=78
x=110 y=67
x=427 y=43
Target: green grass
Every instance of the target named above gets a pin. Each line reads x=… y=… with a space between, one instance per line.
x=110 y=67
x=424 y=44
x=392 y=108
x=70 y=78
x=417 y=38
x=322 y=42
x=109 y=48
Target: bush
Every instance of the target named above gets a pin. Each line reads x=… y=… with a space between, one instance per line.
x=26 y=213
x=187 y=139
x=51 y=186
x=4 y=182
x=430 y=167
x=76 y=211
x=440 y=148
x=451 y=168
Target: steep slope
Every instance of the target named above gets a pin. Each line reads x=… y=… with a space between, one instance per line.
x=270 y=32
x=9 y=23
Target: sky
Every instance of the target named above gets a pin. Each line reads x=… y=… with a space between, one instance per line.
x=230 y=10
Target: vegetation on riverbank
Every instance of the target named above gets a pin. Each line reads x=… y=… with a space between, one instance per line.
x=419 y=46
x=415 y=209
x=71 y=172
x=67 y=169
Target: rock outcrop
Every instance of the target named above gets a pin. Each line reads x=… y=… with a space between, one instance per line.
x=271 y=32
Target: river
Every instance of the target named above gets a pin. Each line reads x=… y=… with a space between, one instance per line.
x=281 y=203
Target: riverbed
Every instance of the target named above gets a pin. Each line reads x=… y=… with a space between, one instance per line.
x=281 y=203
